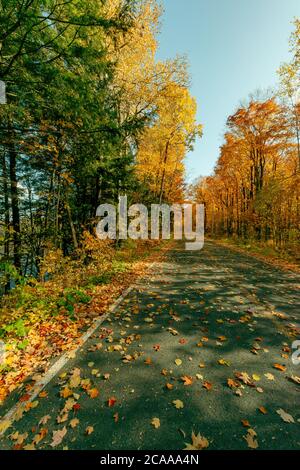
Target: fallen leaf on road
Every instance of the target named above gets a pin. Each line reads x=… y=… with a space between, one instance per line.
x=222 y=362
x=155 y=422
x=232 y=383
x=279 y=367
x=198 y=442
x=269 y=376
x=287 y=418
x=178 y=404
x=44 y=420
x=93 y=393
x=295 y=379
x=207 y=385
x=256 y=377
x=251 y=439
x=263 y=410
x=66 y=392
x=73 y=423
x=111 y=401
x=58 y=436
x=187 y=380
x=245 y=423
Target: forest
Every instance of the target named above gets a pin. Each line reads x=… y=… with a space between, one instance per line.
x=254 y=193
x=147 y=343
x=90 y=115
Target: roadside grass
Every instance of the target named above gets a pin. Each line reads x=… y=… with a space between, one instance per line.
x=264 y=251
x=40 y=319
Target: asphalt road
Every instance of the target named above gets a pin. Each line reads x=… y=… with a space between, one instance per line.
x=194 y=310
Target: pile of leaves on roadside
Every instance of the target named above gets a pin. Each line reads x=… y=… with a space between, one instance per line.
x=42 y=319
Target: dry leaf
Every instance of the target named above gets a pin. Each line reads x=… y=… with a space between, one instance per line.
x=245 y=423
x=269 y=376
x=74 y=422
x=207 y=385
x=155 y=422
x=263 y=410
x=187 y=380
x=285 y=416
x=198 y=442
x=93 y=392
x=58 y=436
x=111 y=401
x=44 y=420
x=89 y=430
x=178 y=404
x=279 y=367
x=251 y=440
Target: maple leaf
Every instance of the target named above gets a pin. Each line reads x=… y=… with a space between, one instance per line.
x=207 y=385
x=25 y=397
x=111 y=402
x=62 y=418
x=75 y=378
x=232 y=383
x=256 y=377
x=198 y=442
x=155 y=422
x=263 y=410
x=74 y=422
x=187 y=380
x=44 y=420
x=269 y=376
x=93 y=392
x=287 y=418
x=178 y=404
x=66 y=392
x=58 y=436
x=222 y=338
x=222 y=362
x=169 y=386
x=40 y=436
x=245 y=423
x=244 y=377
x=251 y=439
x=295 y=379
x=89 y=430
x=279 y=367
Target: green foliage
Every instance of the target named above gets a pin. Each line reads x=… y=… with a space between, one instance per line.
x=70 y=298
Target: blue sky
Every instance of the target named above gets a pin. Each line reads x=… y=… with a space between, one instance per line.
x=234 y=47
